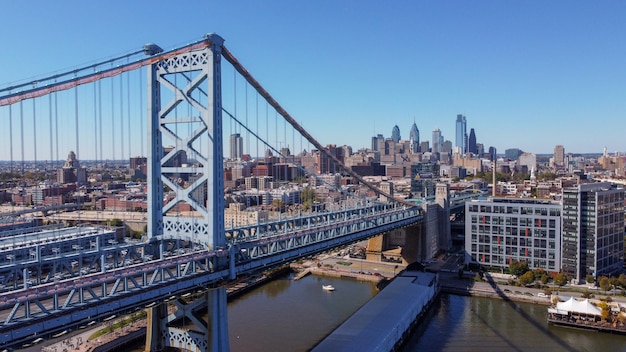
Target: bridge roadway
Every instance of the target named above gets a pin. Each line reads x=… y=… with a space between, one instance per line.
x=45 y=309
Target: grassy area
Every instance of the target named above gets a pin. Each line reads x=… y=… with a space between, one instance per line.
x=344 y=263
x=119 y=324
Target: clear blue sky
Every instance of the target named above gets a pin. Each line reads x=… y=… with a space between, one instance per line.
x=527 y=74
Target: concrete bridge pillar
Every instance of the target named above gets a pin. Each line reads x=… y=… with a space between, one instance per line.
x=406 y=243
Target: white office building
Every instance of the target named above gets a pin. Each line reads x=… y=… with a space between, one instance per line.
x=501 y=230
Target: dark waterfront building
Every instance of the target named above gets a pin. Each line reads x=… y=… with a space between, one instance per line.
x=424 y=179
x=593 y=230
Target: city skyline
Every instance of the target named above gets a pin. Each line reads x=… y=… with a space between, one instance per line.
x=527 y=76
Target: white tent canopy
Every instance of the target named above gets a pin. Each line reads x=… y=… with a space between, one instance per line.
x=580 y=307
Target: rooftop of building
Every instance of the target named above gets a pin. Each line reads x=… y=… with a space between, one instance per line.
x=505 y=200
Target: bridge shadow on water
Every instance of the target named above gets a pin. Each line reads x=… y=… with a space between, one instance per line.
x=436 y=331
x=523 y=315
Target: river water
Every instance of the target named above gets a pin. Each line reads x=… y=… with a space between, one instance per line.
x=460 y=323
x=287 y=315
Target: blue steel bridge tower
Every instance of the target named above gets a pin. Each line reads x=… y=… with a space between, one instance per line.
x=186 y=181
x=185 y=118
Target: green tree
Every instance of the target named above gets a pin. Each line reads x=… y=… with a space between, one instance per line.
x=518 y=268
x=115 y=222
x=622 y=280
x=560 y=279
x=544 y=279
x=589 y=278
x=278 y=205
x=527 y=278
x=307 y=198
x=538 y=273
x=586 y=294
x=605 y=284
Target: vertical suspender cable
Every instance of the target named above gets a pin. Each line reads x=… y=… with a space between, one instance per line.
x=257 y=126
x=234 y=102
x=56 y=125
x=50 y=129
x=22 y=134
x=247 y=133
x=112 y=121
x=78 y=156
x=11 y=136
x=34 y=135
x=95 y=120
x=267 y=124
x=56 y=128
x=141 y=116
x=36 y=170
x=128 y=111
x=100 y=117
x=121 y=117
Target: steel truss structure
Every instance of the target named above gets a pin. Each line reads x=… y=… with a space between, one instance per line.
x=117 y=278
x=192 y=83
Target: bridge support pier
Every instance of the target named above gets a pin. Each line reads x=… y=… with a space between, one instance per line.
x=206 y=335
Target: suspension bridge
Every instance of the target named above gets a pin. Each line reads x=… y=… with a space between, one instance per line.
x=176 y=107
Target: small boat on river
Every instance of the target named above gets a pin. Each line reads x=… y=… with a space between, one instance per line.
x=328 y=287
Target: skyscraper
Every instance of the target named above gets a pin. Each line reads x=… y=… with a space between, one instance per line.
x=414 y=138
x=559 y=155
x=593 y=230
x=493 y=155
x=236 y=146
x=471 y=143
x=461 y=133
x=395 y=134
x=376 y=142
x=437 y=141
